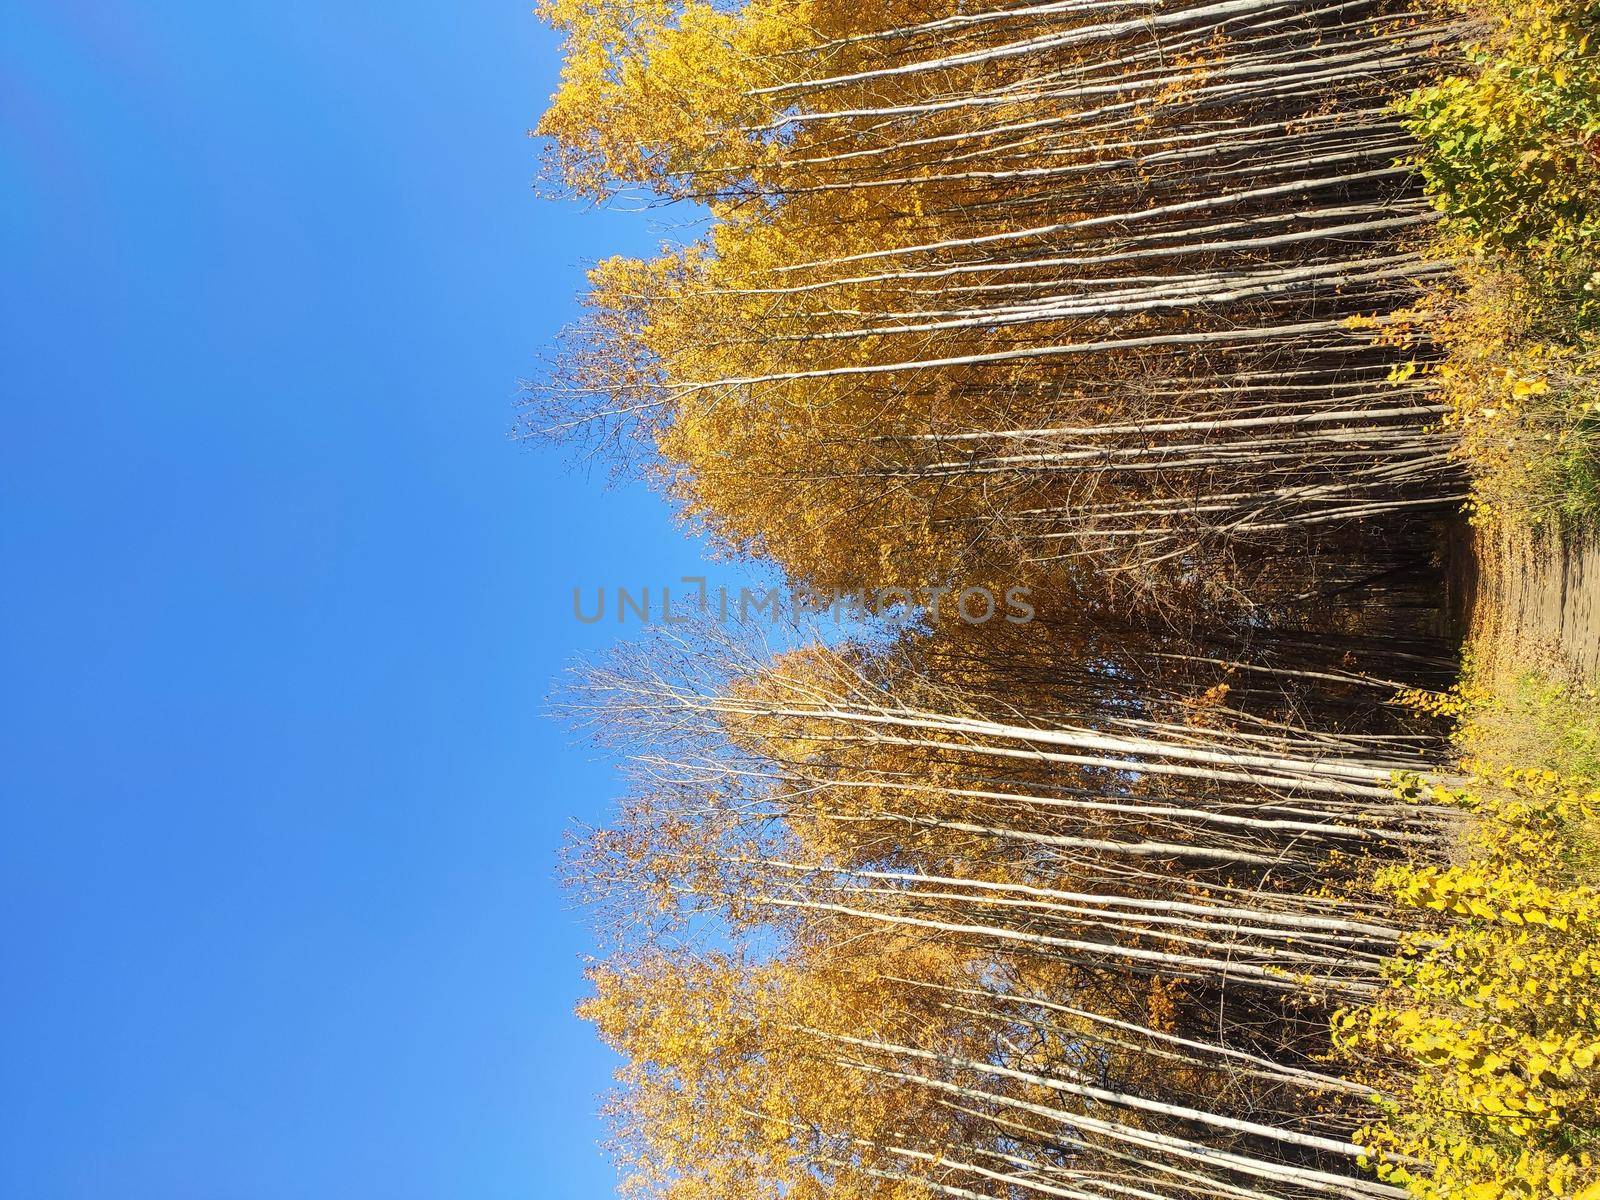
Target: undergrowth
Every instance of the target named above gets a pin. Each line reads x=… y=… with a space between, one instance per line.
x=1510 y=155
x=1486 y=1047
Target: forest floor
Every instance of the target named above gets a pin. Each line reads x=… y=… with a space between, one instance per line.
x=1533 y=603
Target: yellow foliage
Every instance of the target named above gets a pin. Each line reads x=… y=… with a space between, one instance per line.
x=1491 y=1027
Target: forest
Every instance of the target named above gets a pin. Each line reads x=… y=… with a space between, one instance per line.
x=1237 y=334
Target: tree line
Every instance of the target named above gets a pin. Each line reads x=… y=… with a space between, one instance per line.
x=1086 y=295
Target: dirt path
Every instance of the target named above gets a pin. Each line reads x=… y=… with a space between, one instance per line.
x=1536 y=598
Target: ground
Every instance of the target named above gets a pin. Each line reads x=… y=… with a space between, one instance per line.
x=1536 y=606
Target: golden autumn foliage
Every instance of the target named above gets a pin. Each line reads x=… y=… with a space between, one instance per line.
x=999 y=294
x=1493 y=1025
x=1154 y=894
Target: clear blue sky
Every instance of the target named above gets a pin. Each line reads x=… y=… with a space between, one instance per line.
x=281 y=605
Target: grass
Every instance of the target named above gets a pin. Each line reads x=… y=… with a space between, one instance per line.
x=1539 y=719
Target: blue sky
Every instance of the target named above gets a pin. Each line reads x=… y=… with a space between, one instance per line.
x=281 y=605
